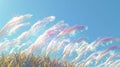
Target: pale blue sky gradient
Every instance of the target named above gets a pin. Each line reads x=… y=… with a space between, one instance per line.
x=101 y=16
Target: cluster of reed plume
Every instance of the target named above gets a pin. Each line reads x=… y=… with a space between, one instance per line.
x=22 y=60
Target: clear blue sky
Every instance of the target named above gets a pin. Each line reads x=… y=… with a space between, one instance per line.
x=101 y=16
